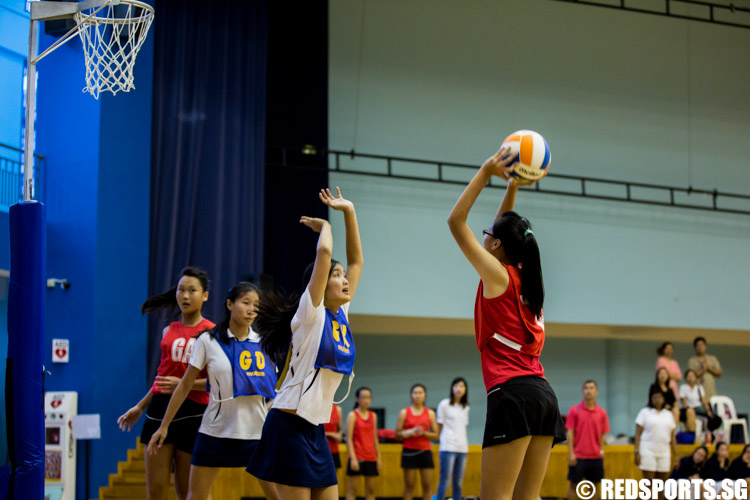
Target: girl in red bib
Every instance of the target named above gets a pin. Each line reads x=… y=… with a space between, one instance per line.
x=417 y=426
x=362 y=445
x=177 y=344
x=334 y=434
x=523 y=419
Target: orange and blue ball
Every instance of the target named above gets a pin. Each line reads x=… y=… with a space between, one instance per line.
x=533 y=155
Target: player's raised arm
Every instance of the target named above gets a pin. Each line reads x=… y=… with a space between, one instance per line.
x=493 y=274
x=354 y=259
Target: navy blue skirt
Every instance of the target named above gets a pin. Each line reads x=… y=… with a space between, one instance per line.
x=294 y=452
x=211 y=451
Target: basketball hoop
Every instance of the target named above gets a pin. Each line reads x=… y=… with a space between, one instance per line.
x=111 y=37
x=112 y=32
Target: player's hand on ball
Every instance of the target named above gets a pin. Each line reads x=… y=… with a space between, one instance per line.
x=313 y=223
x=501 y=163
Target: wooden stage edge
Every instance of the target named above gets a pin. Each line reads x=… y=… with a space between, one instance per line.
x=618 y=464
x=412 y=325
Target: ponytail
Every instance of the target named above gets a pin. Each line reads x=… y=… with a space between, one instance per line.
x=219 y=332
x=274 y=324
x=532 y=283
x=168 y=299
x=521 y=247
x=275 y=313
x=164 y=300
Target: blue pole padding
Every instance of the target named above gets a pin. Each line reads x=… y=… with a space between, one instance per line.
x=26 y=289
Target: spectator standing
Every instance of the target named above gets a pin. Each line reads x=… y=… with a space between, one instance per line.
x=706 y=367
x=665 y=352
x=661 y=382
x=655 y=438
x=586 y=425
x=452 y=420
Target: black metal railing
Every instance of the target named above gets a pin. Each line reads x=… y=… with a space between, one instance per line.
x=11 y=176
x=692 y=10
x=352 y=162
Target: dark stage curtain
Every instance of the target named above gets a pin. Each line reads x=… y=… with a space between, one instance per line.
x=208 y=147
x=297 y=115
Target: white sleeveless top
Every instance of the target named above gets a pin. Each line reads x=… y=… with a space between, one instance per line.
x=305 y=389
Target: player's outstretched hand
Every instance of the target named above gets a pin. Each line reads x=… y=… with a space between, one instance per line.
x=335 y=202
x=313 y=223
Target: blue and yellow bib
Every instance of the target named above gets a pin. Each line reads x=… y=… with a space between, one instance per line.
x=253 y=373
x=336 y=350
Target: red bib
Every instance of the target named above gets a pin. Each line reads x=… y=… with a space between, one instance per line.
x=509 y=336
x=176 y=347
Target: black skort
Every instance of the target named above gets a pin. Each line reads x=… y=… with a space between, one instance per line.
x=368 y=469
x=522 y=406
x=416 y=459
x=184 y=427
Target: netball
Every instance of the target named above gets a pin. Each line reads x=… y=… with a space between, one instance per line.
x=533 y=155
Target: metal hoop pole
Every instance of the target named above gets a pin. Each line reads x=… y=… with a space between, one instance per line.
x=28 y=163
x=45 y=11
x=73 y=31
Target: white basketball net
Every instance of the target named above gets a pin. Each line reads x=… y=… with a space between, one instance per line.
x=112 y=37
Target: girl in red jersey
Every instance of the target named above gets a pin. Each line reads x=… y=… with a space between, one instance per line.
x=417 y=426
x=523 y=419
x=177 y=343
x=334 y=434
x=363 y=445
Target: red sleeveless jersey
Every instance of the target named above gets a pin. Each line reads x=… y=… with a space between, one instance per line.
x=333 y=426
x=422 y=420
x=364 y=437
x=509 y=337
x=176 y=347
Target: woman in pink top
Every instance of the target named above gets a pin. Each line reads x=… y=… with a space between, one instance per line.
x=673 y=367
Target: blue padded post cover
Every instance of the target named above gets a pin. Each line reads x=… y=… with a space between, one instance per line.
x=25 y=405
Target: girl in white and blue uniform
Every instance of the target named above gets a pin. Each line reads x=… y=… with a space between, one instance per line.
x=240 y=378
x=293 y=451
